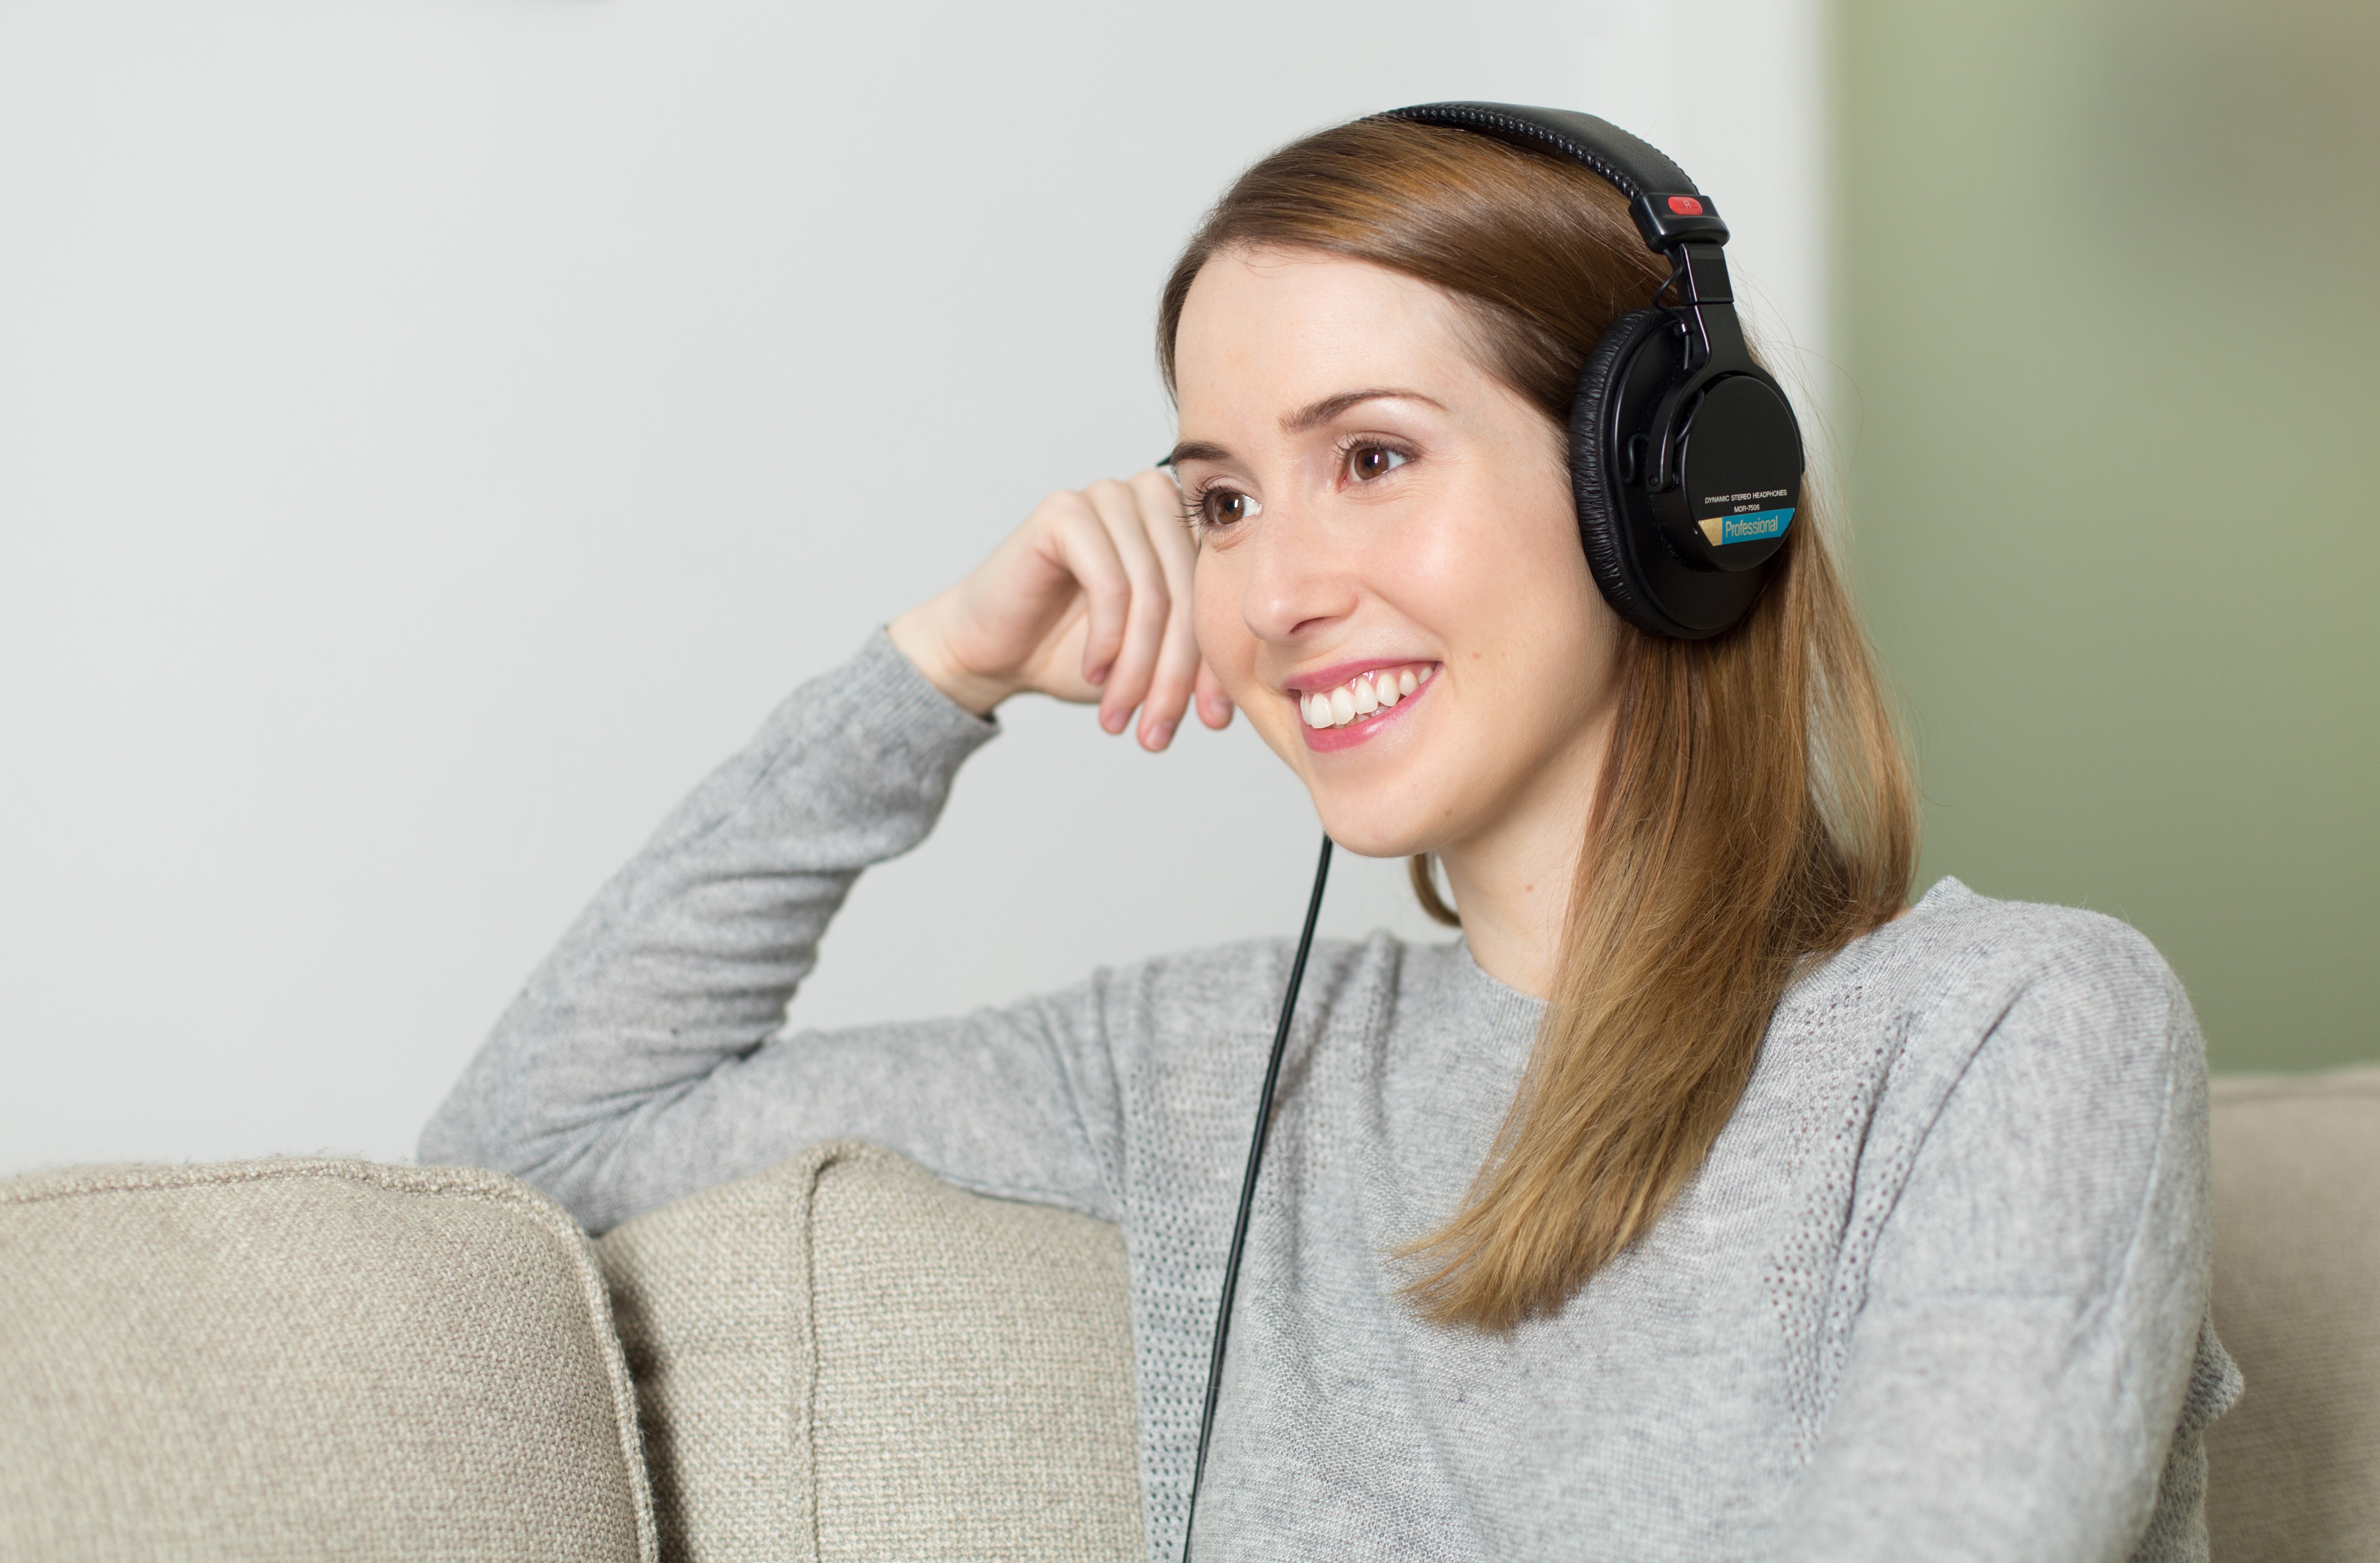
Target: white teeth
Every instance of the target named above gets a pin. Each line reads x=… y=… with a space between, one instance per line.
x=1361 y=697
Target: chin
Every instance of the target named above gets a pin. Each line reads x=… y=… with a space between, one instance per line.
x=1380 y=799
x=1379 y=821
x=1393 y=812
x=1365 y=841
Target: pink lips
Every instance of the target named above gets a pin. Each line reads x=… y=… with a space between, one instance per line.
x=1329 y=740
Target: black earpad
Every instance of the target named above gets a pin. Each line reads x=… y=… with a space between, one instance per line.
x=1602 y=515
x=1664 y=586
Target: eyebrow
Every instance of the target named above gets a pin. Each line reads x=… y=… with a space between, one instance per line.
x=1195 y=449
x=1329 y=407
x=1307 y=418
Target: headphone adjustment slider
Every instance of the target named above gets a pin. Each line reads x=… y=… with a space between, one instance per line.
x=1669 y=219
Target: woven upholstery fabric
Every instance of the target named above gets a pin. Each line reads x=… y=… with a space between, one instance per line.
x=308 y=1358
x=845 y=1358
x=710 y=1297
x=2293 y=1470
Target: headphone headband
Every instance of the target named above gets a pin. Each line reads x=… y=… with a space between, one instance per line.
x=1668 y=208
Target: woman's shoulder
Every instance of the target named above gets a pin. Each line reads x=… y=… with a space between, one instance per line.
x=2068 y=995
x=1955 y=942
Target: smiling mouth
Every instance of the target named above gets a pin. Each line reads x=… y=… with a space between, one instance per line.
x=1364 y=695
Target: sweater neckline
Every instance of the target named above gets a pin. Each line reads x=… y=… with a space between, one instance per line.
x=1478 y=983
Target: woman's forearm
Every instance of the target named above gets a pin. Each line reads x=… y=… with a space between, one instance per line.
x=684 y=963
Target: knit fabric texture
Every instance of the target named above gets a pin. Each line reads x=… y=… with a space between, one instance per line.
x=1939 y=1290
x=2297 y=1284
x=845 y=1358
x=308 y=1358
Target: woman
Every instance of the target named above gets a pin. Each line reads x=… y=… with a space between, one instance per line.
x=1702 y=1201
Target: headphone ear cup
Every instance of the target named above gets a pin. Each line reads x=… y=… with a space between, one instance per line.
x=1595 y=465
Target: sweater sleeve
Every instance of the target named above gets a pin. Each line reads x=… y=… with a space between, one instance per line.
x=2027 y=1371
x=645 y=1058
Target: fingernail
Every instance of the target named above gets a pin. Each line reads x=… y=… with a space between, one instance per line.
x=1159 y=735
x=1114 y=722
x=1099 y=675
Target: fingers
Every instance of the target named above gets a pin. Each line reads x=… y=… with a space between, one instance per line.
x=1214 y=706
x=1127 y=561
x=1084 y=552
x=1133 y=669
x=1177 y=666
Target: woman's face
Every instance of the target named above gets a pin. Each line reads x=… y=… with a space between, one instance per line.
x=1387 y=529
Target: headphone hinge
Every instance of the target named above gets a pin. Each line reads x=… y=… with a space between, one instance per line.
x=1713 y=345
x=1699 y=273
x=1704 y=307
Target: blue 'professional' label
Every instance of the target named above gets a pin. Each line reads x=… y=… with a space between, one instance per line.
x=1751 y=527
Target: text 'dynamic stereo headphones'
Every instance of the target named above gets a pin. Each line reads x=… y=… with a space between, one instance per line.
x=1684 y=453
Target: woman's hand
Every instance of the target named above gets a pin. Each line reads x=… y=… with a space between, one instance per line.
x=1089 y=599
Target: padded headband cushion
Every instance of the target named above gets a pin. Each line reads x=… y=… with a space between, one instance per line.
x=1632 y=167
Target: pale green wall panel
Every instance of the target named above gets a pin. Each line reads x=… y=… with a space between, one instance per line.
x=2109 y=276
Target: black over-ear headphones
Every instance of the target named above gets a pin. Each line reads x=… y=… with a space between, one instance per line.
x=1687 y=465
x=1683 y=453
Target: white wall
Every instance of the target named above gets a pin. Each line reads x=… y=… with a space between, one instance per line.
x=434 y=431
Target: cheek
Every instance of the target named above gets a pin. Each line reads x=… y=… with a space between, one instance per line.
x=1230 y=648
x=1224 y=640
x=1510 y=590
x=1502 y=578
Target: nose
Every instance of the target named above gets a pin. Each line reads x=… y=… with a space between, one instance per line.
x=1295 y=584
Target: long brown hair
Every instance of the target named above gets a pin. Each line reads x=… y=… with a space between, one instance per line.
x=1755 y=809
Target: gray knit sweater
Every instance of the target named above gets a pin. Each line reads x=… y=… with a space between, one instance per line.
x=1939 y=1291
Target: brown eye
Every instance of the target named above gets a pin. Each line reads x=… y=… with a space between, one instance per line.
x=1368 y=462
x=1223 y=507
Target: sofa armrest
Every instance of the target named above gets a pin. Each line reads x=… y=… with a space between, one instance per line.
x=288 y=1359
x=2294 y=1469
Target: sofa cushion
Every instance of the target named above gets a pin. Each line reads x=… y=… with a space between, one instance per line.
x=845 y=1358
x=2293 y=1470
x=316 y=1359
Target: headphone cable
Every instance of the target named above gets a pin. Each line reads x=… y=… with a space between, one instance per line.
x=1248 y=1191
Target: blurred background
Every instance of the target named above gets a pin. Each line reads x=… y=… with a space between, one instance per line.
x=434 y=431
x=2108 y=289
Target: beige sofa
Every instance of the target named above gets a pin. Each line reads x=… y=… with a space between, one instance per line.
x=840 y=1357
